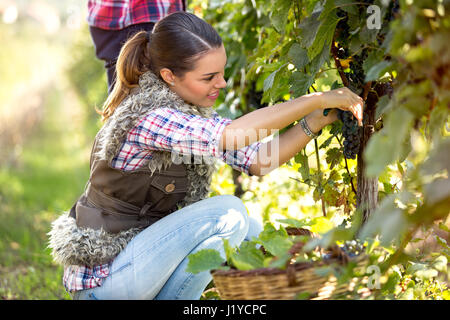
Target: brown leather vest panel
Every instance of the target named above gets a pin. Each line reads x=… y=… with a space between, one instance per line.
x=116 y=200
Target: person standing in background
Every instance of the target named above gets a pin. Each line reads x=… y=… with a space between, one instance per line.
x=112 y=22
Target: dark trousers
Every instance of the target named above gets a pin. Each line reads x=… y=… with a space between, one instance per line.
x=108 y=43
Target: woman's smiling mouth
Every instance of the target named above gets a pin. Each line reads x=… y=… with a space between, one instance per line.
x=213 y=96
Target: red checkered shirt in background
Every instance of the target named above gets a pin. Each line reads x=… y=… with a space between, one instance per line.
x=169 y=130
x=118 y=14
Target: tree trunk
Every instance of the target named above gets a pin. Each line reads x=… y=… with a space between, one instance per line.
x=367 y=188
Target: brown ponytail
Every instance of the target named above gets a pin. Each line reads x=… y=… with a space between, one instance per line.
x=176 y=43
x=133 y=61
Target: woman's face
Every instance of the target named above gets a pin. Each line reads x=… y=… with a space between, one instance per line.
x=202 y=85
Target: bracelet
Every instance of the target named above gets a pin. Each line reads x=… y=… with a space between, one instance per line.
x=307 y=130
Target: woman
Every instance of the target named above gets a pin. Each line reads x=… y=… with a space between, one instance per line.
x=143 y=210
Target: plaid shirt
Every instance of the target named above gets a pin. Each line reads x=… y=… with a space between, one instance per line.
x=168 y=130
x=118 y=14
x=182 y=134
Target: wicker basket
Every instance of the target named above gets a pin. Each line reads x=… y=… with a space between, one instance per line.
x=278 y=284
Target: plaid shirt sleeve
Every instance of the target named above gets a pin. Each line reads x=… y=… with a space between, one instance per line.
x=80 y=277
x=167 y=129
x=118 y=14
x=242 y=159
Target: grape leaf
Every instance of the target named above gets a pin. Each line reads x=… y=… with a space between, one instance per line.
x=275 y=241
x=438 y=159
x=326 y=143
x=204 y=260
x=386 y=145
x=280 y=14
x=301 y=83
x=372 y=59
x=295 y=223
x=304 y=165
x=276 y=245
x=377 y=70
x=438 y=119
x=298 y=56
x=279 y=261
x=274 y=84
x=324 y=35
x=229 y=250
x=383 y=105
x=333 y=157
x=319 y=60
x=437 y=192
x=387 y=220
x=347 y=7
x=308 y=29
x=270 y=231
x=268 y=82
x=248 y=257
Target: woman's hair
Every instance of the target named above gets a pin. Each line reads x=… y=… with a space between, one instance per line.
x=176 y=43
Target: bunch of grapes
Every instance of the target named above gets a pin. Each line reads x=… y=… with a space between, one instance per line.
x=343 y=53
x=351 y=133
x=353 y=248
x=357 y=76
x=393 y=10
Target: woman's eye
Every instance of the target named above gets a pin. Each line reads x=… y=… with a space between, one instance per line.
x=209 y=79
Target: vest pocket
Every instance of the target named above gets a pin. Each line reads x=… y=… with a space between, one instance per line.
x=166 y=191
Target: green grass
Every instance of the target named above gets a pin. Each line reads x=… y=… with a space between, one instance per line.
x=51 y=174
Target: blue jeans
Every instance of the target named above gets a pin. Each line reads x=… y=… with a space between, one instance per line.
x=153 y=264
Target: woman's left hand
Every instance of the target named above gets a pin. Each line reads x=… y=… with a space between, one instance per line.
x=316 y=120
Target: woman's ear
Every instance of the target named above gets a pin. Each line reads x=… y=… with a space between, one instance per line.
x=167 y=76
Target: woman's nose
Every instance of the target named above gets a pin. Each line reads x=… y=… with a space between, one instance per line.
x=221 y=83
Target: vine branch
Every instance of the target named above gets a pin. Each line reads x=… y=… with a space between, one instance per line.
x=366 y=90
x=334 y=52
x=320 y=178
x=318 y=168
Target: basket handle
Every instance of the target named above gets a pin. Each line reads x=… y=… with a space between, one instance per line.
x=290 y=264
x=339 y=254
x=296 y=248
x=290 y=273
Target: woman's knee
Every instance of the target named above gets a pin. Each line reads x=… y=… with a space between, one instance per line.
x=233 y=202
x=234 y=219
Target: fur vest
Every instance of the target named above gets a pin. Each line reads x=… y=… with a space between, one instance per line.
x=74 y=245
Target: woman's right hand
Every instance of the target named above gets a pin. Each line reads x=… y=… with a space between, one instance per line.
x=344 y=99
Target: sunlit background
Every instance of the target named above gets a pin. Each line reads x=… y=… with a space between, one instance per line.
x=50 y=82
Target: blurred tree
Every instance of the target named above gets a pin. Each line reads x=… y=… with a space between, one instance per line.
x=87 y=76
